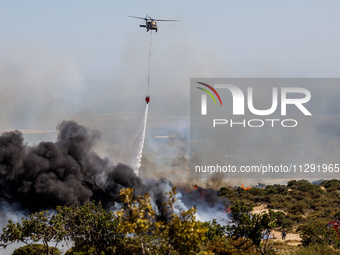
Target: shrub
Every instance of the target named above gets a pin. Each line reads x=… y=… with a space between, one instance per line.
x=214 y=229
x=297 y=218
x=35 y=249
x=318 y=233
x=315 y=249
x=257 y=191
x=334 y=183
x=298 y=208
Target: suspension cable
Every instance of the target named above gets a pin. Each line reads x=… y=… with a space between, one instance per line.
x=148 y=88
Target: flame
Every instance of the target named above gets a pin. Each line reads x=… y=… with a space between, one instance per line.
x=248 y=188
x=200 y=191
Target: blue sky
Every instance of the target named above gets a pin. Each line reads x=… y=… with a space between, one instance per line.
x=87 y=56
x=288 y=38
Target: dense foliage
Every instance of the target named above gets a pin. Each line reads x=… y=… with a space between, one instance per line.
x=298 y=207
x=93 y=230
x=300 y=201
x=252 y=227
x=35 y=249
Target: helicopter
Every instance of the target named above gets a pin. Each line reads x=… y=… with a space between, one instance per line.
x=150 y=23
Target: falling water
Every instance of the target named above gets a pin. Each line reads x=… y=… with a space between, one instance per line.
x=138 y=144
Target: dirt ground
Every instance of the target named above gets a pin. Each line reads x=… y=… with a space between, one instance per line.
x=291 y=239
x=263 y=208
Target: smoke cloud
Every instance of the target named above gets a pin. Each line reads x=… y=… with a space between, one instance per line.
x=207 y=202
x=69 y=172
x=66 y=172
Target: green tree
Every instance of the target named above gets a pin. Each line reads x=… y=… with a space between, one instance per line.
x=35 y=249
x=333 y=184
x=315 y=249
x=318 y=233
x=214 y=229
x=92 y=228
x=38 y=227
x=254 y=228
x=218 y=243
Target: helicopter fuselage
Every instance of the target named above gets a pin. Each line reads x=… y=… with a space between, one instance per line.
x=150 y=25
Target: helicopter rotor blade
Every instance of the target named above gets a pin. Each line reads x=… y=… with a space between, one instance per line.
x=137 y=17
x=149 y=18
x=165 y=19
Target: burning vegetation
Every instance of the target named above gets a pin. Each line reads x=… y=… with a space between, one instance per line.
x=151 y=218
x=242 y=187
x=70 y=174
x=67 y=172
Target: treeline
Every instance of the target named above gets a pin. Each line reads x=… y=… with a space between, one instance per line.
x=135 y=229
x=301 y=201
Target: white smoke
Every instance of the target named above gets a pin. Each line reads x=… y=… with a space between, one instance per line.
x=8 y=212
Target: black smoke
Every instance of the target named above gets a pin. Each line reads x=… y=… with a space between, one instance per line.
x=67 y=172
x=206 y=198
